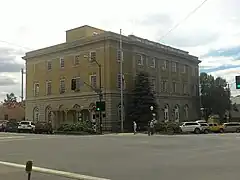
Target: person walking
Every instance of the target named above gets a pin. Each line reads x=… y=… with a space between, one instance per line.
x=134 y=127
x=149 y=130
x=151 y=127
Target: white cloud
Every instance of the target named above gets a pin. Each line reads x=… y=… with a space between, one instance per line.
x=41 y=23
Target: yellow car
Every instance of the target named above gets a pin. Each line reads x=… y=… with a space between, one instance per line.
x=214 y=127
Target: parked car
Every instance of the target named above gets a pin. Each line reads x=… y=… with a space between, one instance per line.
x=191 y=127
x=26 y=126
x=11 y=126
x=43 y=127
x=231 y=127
x=3 y=124
x=217 y=128
x=205 y=127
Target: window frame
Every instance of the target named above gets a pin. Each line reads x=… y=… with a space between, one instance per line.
x=62 y=91
x=62 y=62
x=47 y=87
x=35 y=93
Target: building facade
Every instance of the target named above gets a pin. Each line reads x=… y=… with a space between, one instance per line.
x=50 y=72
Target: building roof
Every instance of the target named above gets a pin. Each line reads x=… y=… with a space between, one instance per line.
x=109 y=35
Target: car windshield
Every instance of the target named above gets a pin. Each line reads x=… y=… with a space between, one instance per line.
x=25 y=123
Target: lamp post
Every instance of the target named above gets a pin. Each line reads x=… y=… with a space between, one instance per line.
x=153 y=114
x=98 y=91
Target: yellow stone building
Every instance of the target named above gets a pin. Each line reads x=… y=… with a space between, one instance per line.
x=49 y=73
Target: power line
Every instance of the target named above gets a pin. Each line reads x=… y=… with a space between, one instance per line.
x=178 y=24
x=16 y=45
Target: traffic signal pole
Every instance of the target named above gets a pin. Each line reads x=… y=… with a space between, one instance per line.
x=100 y=95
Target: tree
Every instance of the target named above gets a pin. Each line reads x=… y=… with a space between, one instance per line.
x=10 y=99
x=142 y=97
x=215 y=95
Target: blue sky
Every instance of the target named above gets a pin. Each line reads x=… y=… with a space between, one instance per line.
x=212 y=32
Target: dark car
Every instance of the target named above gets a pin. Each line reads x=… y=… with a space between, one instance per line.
x=11 y=126
x=43 y=127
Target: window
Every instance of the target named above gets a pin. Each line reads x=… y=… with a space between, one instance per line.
x=49 y=65
x=139 y=58
x=153 y=63
x=119 y=55
x=164 y=86
x=36 y=89
x=62 y=62
x=164 y=67
x=174 y=67
x=62 y=86
x=174 y=87
x=76 y=60
x=185 y=89
x=153 y=84
x=92 y=56
x=184 y=69
x=76 y=84
x=5 y=116
x=93 y=81
x=48 y=87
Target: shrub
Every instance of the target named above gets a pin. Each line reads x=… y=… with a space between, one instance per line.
x=77 y=127
x=167 y=127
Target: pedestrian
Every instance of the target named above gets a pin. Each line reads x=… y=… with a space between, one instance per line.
x=134 y=127
x=149 y=130
x=151 y=127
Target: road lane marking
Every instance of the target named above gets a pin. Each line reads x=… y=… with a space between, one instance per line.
x=11 y=137
x=53 y=172
x=24 y=139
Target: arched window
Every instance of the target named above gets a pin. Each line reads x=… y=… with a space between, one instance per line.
x=176 y=114
x=48 y=114
x=35 y=114
x=166 y=113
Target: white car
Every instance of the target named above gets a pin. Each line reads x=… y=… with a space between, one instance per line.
x=191 y=127
x=28 y=126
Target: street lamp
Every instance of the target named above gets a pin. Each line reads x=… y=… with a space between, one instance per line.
x=153 y=114
x=98 y=91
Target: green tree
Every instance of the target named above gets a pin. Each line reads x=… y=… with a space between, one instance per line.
x=215 y=95
x=142 y=97
x=10 y=99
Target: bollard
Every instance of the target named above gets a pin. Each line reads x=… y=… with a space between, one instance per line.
x=28 y=169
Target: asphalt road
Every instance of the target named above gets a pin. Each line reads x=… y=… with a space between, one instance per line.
x=124 y=157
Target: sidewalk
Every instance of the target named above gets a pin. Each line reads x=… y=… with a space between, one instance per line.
x=9 y=173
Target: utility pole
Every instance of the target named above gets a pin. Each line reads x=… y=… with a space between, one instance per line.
x=98 y=91
x=100 y=95
x=22 y=72
x=121 y=81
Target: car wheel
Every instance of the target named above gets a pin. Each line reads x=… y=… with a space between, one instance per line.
x=221 y=131
x=206 y=131
x=197 y=131
x=238 y=130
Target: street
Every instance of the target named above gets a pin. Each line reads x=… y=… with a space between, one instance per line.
x=123 y=157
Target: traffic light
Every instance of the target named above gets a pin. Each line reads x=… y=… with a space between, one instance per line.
x=237 y=82
x=100 y=106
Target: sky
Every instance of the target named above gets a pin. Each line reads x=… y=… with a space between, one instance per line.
x=212 y=33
